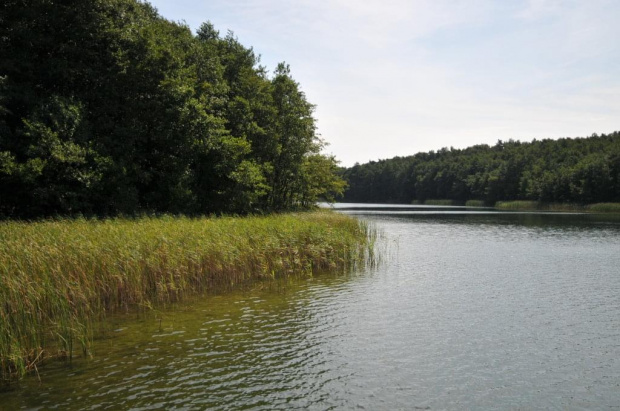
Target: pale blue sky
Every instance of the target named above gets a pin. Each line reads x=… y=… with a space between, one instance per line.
x=395 y=77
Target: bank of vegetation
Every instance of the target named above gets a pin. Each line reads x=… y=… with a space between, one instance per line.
x=59 y=277
x=540 y=174
x=106 y=108
x=108 y=112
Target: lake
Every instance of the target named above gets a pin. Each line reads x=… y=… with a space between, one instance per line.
x=467 y=309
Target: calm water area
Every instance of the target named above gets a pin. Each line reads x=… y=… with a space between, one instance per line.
x=468 y=309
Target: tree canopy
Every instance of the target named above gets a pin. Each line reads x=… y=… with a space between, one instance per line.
x=108 y=108
x=579 y=170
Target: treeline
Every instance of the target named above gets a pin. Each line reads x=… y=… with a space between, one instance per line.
x=580 y=170
x=107 y=108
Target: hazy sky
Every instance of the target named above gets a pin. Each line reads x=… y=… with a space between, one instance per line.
x=395 y=77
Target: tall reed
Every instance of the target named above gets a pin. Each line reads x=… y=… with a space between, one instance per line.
x=475 y=203
x=604 y=208
x=558 y=207
x=58 y=277
x=517 y=205
x=443 y=202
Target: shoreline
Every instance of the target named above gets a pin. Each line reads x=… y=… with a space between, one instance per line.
x=514 y=205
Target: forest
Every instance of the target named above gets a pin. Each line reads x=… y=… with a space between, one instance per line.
x=107 y=108
x=567 y=170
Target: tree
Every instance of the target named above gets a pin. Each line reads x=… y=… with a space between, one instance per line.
x=107 y=108
x=320 y=180
x=581 y=170
x=294 y=132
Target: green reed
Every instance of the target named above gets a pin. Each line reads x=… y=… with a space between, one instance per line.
x=604 y=208
x=517 y=205
x=559 y=207
x=58 y=277
x=475 y=203
x=443 y=202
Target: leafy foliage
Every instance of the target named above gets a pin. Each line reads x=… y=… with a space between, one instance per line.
x=580 y=170
x=107 y=108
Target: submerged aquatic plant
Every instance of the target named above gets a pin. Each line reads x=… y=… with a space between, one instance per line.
x=58 y=277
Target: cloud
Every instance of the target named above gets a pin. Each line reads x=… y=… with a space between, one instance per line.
x=537 y=9
x=394 y=77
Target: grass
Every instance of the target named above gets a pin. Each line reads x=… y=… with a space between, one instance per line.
x=565 y=207
x=475 y=203
x=58 y=278
x=517 y=205
x=604 y=208
x=531 y=205
x=443 y=202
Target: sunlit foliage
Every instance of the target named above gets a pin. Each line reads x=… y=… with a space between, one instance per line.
x=580 y=171
x=108 y=108
x=59 y=277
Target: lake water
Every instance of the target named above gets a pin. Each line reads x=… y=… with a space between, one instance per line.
x=469 y=309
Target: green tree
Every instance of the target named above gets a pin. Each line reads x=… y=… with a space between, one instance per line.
x=320 y=180
x=294 y=131
x=107 y=108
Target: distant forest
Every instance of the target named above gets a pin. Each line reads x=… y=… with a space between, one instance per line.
x=107 y=108
x=579 y=170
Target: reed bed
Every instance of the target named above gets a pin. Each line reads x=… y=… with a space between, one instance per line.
x=517 y=205
x=563 y=207
x=475 y=203
x=442 y=202
x=558 y=207
x=604 y=208
x=59 y=277
x=525 y=205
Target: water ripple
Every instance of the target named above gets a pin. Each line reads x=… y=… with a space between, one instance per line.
x=509 y=312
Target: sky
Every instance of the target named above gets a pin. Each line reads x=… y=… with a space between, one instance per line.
x=397 y=77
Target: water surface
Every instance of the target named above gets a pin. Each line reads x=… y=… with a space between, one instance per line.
x=469 y=309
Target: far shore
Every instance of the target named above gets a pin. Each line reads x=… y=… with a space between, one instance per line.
x=517 y=205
